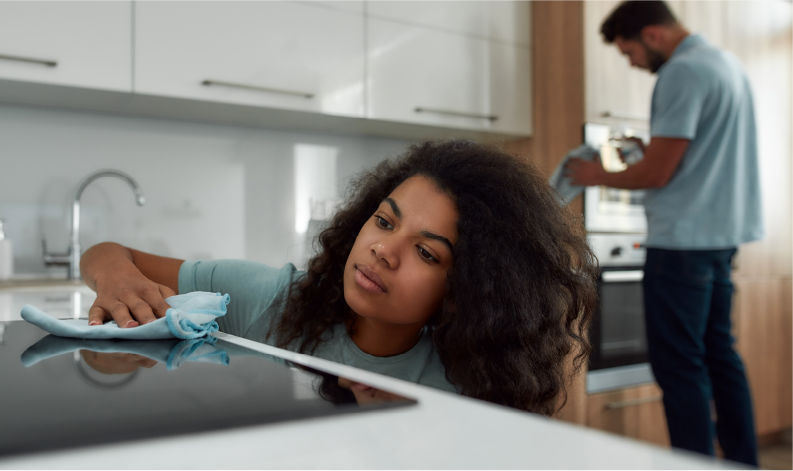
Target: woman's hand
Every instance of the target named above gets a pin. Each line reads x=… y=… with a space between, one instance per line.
x=129 y=298
x=115 y=363
x=123 y=291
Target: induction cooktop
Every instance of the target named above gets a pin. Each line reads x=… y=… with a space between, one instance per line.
x=60 y=393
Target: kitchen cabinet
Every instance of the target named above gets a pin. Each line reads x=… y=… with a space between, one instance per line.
x=350 y=6
x=613 y=88
x=284 y=64
x=762 y=326
x=426 y=76
x=705 y=18
x=78 y=44
x=761 y=36
x=616 y=92
x=282 y=55
x=633 y=412
x=506 y=21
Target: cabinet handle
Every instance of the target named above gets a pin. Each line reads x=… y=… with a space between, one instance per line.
x=632 y=402
x=634 y=117
x=621 y=276
x=456 y=113
x=256 y=88
x=30 y=60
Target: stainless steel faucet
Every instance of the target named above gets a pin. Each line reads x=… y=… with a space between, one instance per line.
x=71 y=258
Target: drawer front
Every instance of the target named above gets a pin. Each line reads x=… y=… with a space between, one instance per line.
x=633 y=412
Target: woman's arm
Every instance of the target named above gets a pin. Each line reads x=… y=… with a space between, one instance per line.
x=131 y=286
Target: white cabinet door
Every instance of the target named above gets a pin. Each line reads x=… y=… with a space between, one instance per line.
x=83 y=44
x=271 y=54
x=706 y=18
x=504 y=21
x=616 y=91
x=421 y=75
x=613 y=87
x=349 y=6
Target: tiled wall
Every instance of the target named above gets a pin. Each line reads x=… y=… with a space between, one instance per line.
x=212 y=191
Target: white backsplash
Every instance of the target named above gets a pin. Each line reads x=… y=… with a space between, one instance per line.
x=211 y=191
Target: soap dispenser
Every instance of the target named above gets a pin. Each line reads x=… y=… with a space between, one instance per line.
x=6 y=255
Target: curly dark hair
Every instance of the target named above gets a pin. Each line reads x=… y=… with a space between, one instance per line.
x=630 y=17
x=519 y=296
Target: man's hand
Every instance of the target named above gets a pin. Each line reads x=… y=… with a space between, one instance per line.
x=585 y=173
x=637 y=141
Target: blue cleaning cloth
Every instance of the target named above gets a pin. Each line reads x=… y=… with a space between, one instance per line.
x=561 y=183
x=171 y=352
x=191 y=316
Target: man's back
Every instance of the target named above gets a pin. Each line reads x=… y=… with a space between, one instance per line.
x=713 y=199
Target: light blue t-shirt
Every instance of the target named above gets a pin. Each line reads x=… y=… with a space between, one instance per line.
x=713 y=199
x=258 y=293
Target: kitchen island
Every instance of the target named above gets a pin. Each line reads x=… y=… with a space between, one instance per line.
x=442 y=431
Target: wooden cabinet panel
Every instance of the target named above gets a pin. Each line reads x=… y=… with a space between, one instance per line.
x=762 y=313
x=558 y=93
x=634 y=412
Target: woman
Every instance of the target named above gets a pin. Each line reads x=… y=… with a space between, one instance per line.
x=454 y=266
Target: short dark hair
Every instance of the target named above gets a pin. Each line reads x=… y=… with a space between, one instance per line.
x=630 y=17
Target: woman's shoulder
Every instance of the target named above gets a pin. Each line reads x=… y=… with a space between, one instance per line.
x=213 y=275
x=254 y=289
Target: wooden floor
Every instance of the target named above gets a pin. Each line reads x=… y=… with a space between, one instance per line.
x=777 y=457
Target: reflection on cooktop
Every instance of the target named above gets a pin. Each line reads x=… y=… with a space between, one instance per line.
x=60 y=393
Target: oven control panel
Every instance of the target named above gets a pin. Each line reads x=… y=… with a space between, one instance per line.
x=618 y=249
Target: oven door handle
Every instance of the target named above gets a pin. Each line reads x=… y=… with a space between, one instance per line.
x=622 y=276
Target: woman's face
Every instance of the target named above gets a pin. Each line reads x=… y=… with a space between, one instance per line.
x=396 y=271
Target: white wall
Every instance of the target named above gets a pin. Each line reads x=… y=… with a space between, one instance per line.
x=212 y=191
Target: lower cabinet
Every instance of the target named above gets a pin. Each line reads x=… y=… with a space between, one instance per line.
x=763 y=324
x=633 y=412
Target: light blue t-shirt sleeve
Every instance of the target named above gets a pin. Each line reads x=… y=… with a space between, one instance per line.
x=256 y=291
x=678 y=100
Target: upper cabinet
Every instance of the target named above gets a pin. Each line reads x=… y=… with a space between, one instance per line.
x=267 y=54
x=81 y=44
x=427 y=76
x=454 y=65
x=616 y=91
x=613 y=87
x=508 y=22
x=349 y=6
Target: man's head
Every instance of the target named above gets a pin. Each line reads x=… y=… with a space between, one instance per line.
x=644 y=31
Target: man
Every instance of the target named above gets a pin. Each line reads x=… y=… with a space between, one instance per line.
x=703 y=200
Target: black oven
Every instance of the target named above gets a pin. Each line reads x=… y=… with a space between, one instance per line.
x=617 y=332
x=616 y=228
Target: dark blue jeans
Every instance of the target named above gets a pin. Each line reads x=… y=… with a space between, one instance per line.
x=687 y=300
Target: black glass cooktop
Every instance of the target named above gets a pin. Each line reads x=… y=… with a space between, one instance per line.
x=60 y=393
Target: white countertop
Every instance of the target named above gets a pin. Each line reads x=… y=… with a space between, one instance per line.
x=443 y=431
